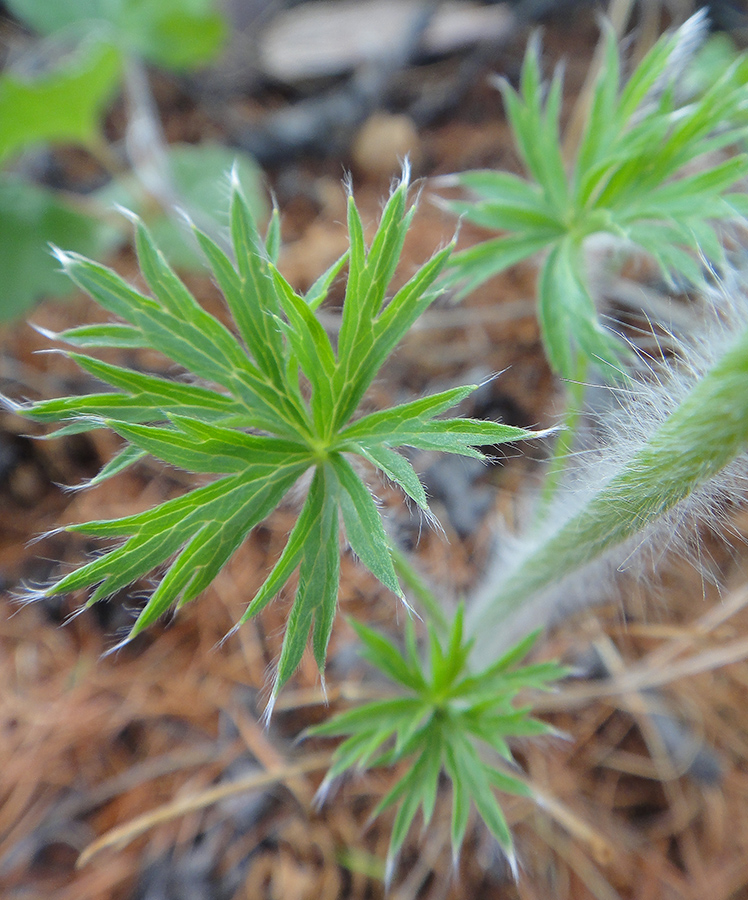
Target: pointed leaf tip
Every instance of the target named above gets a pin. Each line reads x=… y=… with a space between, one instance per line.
x=127 y=213
x=234 y=178
x=45 y=332
x=405 y=172
x=389 y=871
x=267 y=714
x=185 y=217
x=118 y=646
x=511 y=858
x=11 y=405
x=62 y=256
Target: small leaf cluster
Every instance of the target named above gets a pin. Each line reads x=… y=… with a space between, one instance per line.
x=259 y=410
x=642 y=172
x=446 y=719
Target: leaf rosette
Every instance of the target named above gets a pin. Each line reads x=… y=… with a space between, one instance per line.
x=258 y=409
x=445 y=719
x=652 y=170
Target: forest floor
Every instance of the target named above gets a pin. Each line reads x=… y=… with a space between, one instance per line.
x=157 y=752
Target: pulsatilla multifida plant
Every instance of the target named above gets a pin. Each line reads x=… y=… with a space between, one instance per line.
x=277 y=403
x=646 y=172
x=262 y=408
x=662 y=173
x=447 y=719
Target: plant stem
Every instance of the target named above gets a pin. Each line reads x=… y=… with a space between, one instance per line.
x=705 y=433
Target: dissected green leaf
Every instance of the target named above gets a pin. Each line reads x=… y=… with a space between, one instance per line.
x=643 y=171
x=253 y=422
x=199 y=180
x=445 y=719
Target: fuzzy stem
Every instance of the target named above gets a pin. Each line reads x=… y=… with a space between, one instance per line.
x=700 y=438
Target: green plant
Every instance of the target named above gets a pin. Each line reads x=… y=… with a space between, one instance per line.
x=285 y=407
x=676 y=452
x=684 y=439
x=285 y=404
x=64 y=104
x=649 y=171
x=58 y=93
x=644 y=172
x=446 y=718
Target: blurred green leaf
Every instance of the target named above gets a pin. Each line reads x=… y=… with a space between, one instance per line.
x=200 y=181
x=643 y=171
x=63 y=104
x=176 y=34
x=714 y=58
x=32 y=217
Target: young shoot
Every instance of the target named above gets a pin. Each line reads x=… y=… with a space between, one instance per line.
x=674 y=454
x=445 y=719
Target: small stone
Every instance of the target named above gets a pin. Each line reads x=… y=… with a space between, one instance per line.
x=383 y=142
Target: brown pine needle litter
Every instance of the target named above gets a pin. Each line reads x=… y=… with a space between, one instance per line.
x=120 y=837
x=99 y=752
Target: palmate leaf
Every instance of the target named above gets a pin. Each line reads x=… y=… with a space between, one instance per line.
x=257 y=410
x=444 y=719
x=641 y=172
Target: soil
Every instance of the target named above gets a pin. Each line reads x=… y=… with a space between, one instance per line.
x=158 y=751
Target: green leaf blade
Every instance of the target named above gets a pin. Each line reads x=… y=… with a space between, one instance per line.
x=317 y=594
x=396 y=467
x=385 y=422
x=363 y=525
x=65 y=105
x=472 y=267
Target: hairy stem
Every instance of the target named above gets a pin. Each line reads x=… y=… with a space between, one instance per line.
x=704 y=433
